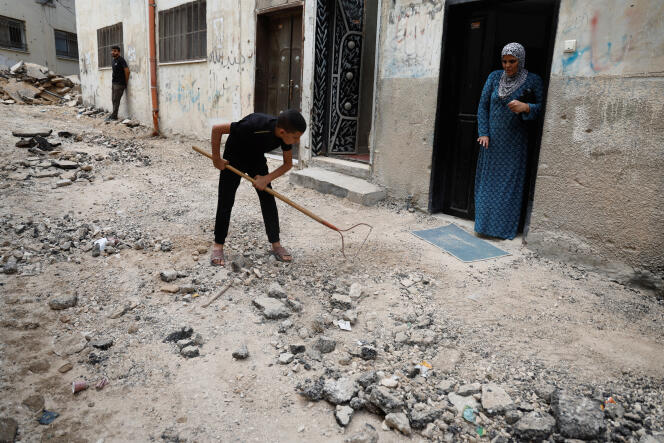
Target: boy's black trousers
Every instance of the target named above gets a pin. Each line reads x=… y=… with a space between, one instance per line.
x=228 y=183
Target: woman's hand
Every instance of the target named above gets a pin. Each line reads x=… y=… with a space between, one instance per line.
x=484 y=141
x=518 y=107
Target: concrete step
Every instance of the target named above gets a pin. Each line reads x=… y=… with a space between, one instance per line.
x=330 y=182
x=355 y=169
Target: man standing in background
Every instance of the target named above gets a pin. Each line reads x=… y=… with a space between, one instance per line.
x=119 y=80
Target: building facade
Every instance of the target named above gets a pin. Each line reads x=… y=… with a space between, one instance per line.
x=396 y=84
x=41 y=32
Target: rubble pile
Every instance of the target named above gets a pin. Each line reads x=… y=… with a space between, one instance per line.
x=32 y=242
x=32 y=84
x=122 y=151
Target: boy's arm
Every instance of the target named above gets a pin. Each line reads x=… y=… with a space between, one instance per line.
x=215 y=139
x=263 y=180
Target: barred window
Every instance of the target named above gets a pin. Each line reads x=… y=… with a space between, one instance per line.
x=183 y=32
x=66 y=44
x=12 y=34
x=106 y=38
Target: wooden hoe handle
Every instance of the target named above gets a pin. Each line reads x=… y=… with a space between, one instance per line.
x=273 y=192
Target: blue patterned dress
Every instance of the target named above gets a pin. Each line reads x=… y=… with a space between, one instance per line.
x=501 y=169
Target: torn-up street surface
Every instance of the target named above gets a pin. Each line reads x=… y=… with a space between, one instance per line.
x=517 y=347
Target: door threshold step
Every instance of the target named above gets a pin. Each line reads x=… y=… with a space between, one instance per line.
x=344 y=186
x=347 y=167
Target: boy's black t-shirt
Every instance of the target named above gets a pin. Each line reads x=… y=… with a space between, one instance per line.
x=118 y=65
x=253 y=136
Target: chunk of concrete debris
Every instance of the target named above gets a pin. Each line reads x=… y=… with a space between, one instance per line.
x=367 y=434
x=190 y=352
x=11 y=267
x=61 y=302
x=286 y=358
x=325 y=345
x=341 y=301
x=179 y=334
x=385 y=400
x=535 y=426
x=171 y=289
x=311 y=389
x=494 y=399
x=168 y=275
x=469 y=389
x=276 y=291
x=460 y=402
x=102 y=344
x=241 y=353
x=343 y=415
x=340 y=391
x=398 y=421
x=271 y=308
x=577 y=417
x=355 y=291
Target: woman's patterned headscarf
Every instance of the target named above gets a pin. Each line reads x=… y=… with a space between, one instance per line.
x=509 y=84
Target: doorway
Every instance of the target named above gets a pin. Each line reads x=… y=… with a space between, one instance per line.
x=279 y=62
x=345 y=42
x=474 y=34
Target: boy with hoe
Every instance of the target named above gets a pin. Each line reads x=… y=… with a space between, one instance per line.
x=248 y=141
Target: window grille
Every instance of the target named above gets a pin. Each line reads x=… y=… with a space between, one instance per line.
x=12 y=34
x=66 y=44
x=106 y=38
x=183 y=33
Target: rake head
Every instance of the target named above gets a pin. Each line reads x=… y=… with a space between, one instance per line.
x=348 y=230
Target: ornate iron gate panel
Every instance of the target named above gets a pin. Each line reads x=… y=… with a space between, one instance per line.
x=337 y=76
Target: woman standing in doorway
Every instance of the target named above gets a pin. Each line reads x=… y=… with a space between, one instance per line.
x=509 y=98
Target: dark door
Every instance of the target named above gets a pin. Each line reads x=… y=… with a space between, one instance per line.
x=279 y=62
x=474 y=36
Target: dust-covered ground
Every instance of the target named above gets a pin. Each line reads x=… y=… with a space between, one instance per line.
x=535 y=347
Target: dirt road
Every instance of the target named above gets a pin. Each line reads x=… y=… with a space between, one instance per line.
x=522 y=322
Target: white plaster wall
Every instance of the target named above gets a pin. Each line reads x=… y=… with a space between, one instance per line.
x=40 y=23
x=95 y=82
x=408 y=54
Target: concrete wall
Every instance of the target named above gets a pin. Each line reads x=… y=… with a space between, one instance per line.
x=95 y=82
x=599 y=196
x=193 y=95
x=407 y=79
x=40 y=22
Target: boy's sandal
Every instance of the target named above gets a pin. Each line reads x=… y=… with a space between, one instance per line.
x=281 y=253
x=217 y=258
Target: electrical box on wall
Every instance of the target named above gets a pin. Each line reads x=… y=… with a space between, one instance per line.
x=569 y=46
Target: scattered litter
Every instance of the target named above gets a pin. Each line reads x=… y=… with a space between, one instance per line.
x=101 y=244
x=101 y=383
x=48 y=417
x=480 y=431
x=344 y=325
x=469 y=414
x=78 y=386
x=608 y=401
x=424 y=368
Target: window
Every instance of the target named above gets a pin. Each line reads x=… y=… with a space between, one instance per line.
x=12 y=34
x=66 y=44
x=106 y=38
x=183 y=33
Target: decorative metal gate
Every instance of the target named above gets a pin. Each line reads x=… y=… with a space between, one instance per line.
x=339 y=26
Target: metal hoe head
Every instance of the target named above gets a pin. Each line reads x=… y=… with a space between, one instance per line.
x=343 y=243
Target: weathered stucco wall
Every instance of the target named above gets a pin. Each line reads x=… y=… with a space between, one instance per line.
x=95 y=82
x=407 y=82
x=193 y=95
x=599 y=196
x=40 y=23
